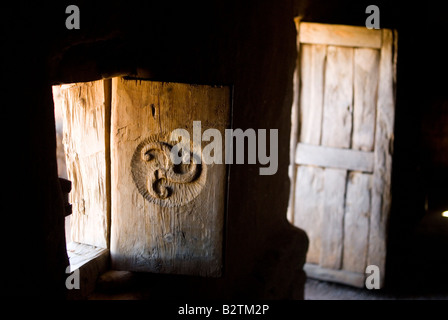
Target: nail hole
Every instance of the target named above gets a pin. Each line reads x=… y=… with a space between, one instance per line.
x=153 y=110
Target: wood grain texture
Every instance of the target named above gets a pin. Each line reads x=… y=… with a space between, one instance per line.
x=79 y=254
x=333 y=218
x=294 y=135
x=355 y=134
x=381 y=195
x=339 y=35
x=147 y=235
x=356 y=222
x=365 y=88
x=308 y=210
x=85 y=112
x=295 y=107
x=334 y=157
x=311 y=103
x=338 y=98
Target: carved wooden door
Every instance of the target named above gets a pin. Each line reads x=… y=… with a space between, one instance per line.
x=343 y=148
x=166 y=218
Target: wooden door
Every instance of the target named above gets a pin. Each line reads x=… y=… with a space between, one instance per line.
x=86 y=120
x=342 y=148
x=165 y=218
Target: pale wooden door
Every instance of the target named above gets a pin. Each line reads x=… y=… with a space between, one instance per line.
x=342 y=148
x=165 y=218
x=86 y=120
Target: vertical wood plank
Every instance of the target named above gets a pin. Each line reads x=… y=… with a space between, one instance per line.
x=85 y=112
x=336 y=132
x=308 y=207
x=333 y=218
x=294 y=136
x=381 y=197
x=177 y=232
x=356 y=222
x=338 y=98
x=311 y=103
x=365 y=98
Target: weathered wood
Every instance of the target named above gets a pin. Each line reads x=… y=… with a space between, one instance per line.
x=365 y=94
x=295 y=109
x=356 y=134
x=340 y=276
x=312 y=82
x=381 y=196
x=336 y=132
x=308 y=208
x=356 y=222
x=338 y=98
x=334 y=157
x=161 y=223
x=295 y=123
x=85 y=111
x=333 y=218
x=339 y=35
x=79 y=254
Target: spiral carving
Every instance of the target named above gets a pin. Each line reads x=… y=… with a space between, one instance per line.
x=161 y=181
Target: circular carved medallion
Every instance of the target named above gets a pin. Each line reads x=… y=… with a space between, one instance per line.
x=161 y=181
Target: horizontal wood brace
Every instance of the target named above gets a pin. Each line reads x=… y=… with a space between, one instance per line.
x=340 y=276
x=321 y=156
x=339 y=35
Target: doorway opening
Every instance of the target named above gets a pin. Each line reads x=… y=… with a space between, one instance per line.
x=81 y=115
x=127 y=195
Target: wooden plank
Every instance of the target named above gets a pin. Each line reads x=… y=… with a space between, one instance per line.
x=85 y=113
x=381 y=195
x=295 y=109
x=166 y=225
x=339 y=35
x=334 y=158
x=365 y=98
x=308 y=208
x=338 y=98
x=311 y=103
x=79 y=254
x=340 y=276
x=333 y=218
x=356 y=222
